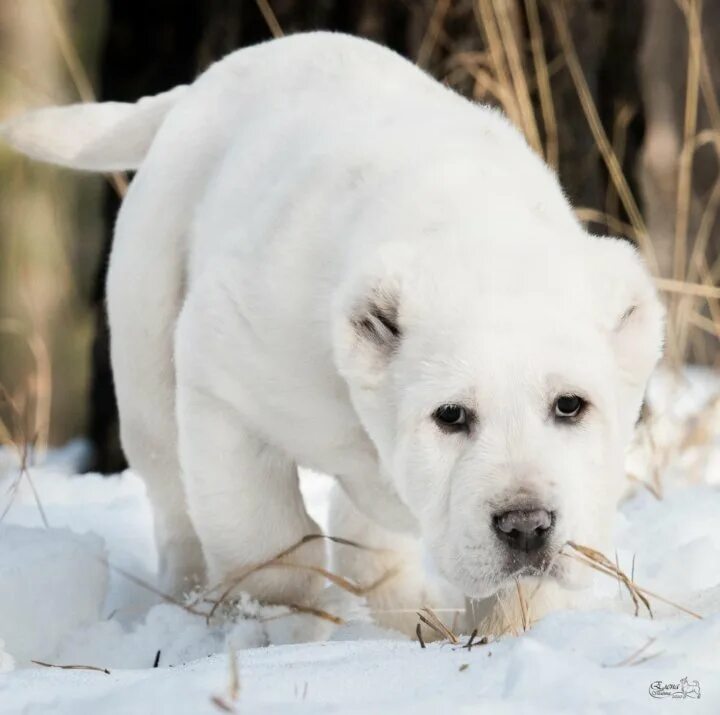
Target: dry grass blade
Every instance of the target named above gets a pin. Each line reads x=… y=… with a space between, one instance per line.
x=508 y=619
x=696 y=431
x=454 y=611
x=148 y=587
x=432 y=33
x=616 y=225
x=234 y=684
x=340 y=581
x=69 y=54
x=705 y=324
x=706 y=80
x=472 y=642
x=418 y=633
x=294 y=547
x=430 y=619
x=632 y=657
x=517 y=72
x=598 y=561
x=646 y=485
x=668 y=602
x=310 y=610
x=684 y=187
x=227 y=704
x=80 y=79
x=471 y=639
x=696 y=265
x=490 y=30
x=270 y=18
x=24 y=445
x=595 y=559
x=71 y=667
x=542 y=75
x=524 y=605
x=429 y=625
x=684 y=191
x=277 y=560
x=623 y=117
x=42 y=380
x=670 y=285
x=603 y=143
x=220 y=704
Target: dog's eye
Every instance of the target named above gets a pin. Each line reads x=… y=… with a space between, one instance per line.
x=568 y=406
x=452 y=418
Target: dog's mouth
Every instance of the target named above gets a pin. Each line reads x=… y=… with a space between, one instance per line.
x=549 y=567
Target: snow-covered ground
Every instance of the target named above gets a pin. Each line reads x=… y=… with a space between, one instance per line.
x=76 y=592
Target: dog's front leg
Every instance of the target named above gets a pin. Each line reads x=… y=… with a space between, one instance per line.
x=245 y=502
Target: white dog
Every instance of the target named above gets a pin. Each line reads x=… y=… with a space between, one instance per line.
x=328 y=259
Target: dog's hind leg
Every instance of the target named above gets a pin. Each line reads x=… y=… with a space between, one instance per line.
x=144 y=292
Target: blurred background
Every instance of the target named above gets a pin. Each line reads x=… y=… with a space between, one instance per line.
x=621 y=97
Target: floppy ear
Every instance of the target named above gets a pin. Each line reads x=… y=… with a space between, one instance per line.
x=368 y=330
x=370 y=313
x=634 y=315
x=375 y=320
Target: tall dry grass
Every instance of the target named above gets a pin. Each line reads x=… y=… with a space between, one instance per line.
x=514 y=71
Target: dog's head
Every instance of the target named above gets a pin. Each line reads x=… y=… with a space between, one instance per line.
x=500 y=386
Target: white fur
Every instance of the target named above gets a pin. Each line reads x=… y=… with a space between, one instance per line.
x=290 y=188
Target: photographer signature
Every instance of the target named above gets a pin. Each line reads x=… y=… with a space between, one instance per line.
x=683 y=689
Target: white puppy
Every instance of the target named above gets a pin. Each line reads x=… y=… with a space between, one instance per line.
x=328 y=259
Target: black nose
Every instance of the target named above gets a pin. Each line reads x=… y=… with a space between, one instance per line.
x=524 y=529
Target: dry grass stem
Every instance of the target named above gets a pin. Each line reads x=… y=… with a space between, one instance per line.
x=79 y=78
x=598 y=561
x=23 y=443
x=619 y=143
x=151 y=589
x=671 y=285
x=71 y=667
x=270 y=18
x=234 y=684
x=632 y=659
x=220 y=703
x=509 y=621
x=39 y=388
x=684 y=185
x=616 y=225
x=646 y=485
x=542 y=76
x=277 y=561
x=339 y=581
x=524 y=605
x=494 y=43
x=591 y=114
x=432 y=33
x=705 y=324
x=432 y=621
x=517 y=72
x=310 y=610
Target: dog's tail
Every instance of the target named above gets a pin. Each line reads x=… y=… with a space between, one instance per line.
x=101 y=136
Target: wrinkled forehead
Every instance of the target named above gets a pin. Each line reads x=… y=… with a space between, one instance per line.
x=507 y=345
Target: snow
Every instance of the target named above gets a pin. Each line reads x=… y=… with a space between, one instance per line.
x=35 y=620
x=76 y=593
